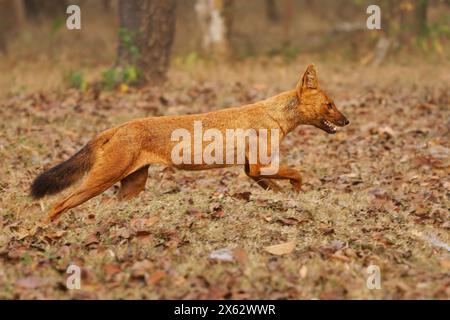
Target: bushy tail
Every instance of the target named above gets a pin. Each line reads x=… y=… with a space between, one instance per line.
x=64 y=174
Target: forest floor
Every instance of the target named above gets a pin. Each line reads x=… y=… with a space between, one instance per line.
x=376 y=193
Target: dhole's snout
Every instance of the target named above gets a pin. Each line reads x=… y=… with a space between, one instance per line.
x=338 y=118
x=342 y=122
x=330 y=123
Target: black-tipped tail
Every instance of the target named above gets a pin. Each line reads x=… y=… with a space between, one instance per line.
x=64 y=174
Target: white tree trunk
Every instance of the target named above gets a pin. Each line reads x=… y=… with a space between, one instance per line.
x=213 y=27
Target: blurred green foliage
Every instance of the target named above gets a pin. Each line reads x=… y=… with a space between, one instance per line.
x=287 y=51
x=75 y=79
x=128 y=73
x=57 y=24
x=128 y=40
x=115 y=76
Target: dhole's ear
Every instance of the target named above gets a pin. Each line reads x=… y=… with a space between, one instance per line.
x=309 y=80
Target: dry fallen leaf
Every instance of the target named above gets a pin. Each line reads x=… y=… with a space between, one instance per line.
x=242 y=195
x=151 y=221
x=288 y=221
x=156 y=277
x=56 y=234
x=281 y=249
x=445 y=264
x=140 y=268
x=29 y=282
x=222 y=255
x=240 y=255
x=91 y=239
x=142 y=226
x=303 y=272
x=111 y=269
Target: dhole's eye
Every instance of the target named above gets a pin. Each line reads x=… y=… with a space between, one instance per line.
x=330 y=106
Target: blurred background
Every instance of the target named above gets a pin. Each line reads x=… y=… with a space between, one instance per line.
x=133 y=42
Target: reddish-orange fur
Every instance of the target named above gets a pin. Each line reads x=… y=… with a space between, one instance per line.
x=124 y=153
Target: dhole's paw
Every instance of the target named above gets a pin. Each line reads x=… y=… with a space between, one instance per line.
x=297 y=184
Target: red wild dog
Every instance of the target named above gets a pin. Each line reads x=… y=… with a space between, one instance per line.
x=124 y=153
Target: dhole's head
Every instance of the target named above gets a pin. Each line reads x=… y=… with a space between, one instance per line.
x=315 y=106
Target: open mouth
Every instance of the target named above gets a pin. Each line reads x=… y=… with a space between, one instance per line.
x=328 y=126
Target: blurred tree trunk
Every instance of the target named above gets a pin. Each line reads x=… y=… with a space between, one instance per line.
x=272 y=13
x=215 y=18
x=147 y=29
x=10 y=20
x=106 y=4
x=287 y=21
x=3 y=26
x=384 y=44
x=20 y=15
x=421 y=17
x=158 y=34
x=41 y=9
x=130 y=19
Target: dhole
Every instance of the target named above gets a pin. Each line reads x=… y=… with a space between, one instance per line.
x=124 y=153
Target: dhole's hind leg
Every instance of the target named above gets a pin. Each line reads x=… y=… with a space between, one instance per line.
x=99 y=179
x=133 y=184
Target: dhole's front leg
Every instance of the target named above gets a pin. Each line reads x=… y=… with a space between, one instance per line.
x=266 y=184
x=254 y=171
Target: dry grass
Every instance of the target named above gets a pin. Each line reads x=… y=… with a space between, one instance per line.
x=375 y=193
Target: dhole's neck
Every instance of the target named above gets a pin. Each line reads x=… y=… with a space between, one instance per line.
x=284 y=109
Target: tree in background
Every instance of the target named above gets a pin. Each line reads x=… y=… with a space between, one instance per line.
x=4 y=26
x=19 y=13
x=12 y=18
x=215 y=20
x=287 y=21
x=106 y=4
x=272 y=13
x=421 y=17
x=146 y=34
x=41 y=9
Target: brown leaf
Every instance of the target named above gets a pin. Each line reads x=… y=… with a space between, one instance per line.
x=240 y=255
x=84 y=295
x=121 y=233
x=56 y=235
x=445 y=264
x=218 y=214
x=339 y=256
x=242 y=195
x=156 y=277
x=140 y=268
x=288 y=221
x=29 y=282
x=111 y=269
x=303 y=272
x=386 y=130
x=151 y=221
x=422 y=212
x=16 y=253
x=216 y=207
x=141 y=226
x=281 y=249
x=91 y=239
x=195 y=212
x=327 y=231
